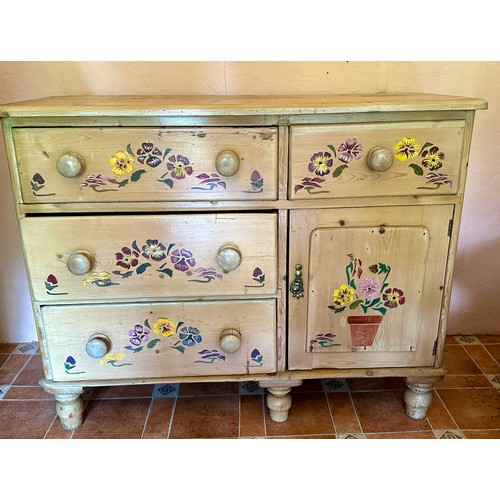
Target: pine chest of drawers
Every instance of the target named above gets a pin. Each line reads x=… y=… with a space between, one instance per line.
x=272 y=239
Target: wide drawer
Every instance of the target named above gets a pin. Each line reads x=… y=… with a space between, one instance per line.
x=160 y=340
x=376 y=159
x=146 y=164
x=150 y=256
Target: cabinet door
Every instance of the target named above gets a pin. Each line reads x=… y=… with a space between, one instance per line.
x=373 y=281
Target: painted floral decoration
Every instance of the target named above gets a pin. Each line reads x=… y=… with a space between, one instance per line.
x=182 y=259
x=431 y=160
x=164 y=327
x=179 y=166
x=149 y=154
x=51 y=284
x=138 y=335
x=322 y=163
x=70 y=365
x=323 y=340
x=37 y=184
x=154 y=250
x=369 y=293
x=121 y=163
x=127 y=258
x=406 y=148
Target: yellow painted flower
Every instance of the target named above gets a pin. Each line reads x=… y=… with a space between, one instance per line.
x=121 y=163
x=164 y=327
x=406 y=148
x=96 y=277
x=343 y=294
x=111 y=357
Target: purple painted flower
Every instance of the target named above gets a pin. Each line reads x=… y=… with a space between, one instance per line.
x=393 y=297
x=180 y=166
x=127 y=258
x=432 y=158
x=369 y=288
x=190 y=336
x=350 y=150
x=138 y=335
x=154 y=250
x=433 y=178
x=38 y=179
x=149 y=154
x=97 y=180
x=320 y=163
x=182 y=259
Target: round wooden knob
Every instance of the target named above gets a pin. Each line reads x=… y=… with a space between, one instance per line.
x=379 y=159
x=98 y=345
x=228 y=258
x=227 y=163
x=230 y=341
x=80 y=262
x=70 y=165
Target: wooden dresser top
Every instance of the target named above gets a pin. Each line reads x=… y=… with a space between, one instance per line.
x=202 y=105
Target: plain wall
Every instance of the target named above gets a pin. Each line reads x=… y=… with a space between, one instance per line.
x=475 y=297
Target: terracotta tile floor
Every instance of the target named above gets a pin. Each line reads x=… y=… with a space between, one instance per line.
x=466 y=404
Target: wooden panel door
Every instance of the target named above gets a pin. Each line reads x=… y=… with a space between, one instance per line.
x=373 y=286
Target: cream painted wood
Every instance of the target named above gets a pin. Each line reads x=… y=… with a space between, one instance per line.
x=344 y=173
x=161 y=339
x=187 y=265
x=413 y=241
x=146 y=164
x=260 y=225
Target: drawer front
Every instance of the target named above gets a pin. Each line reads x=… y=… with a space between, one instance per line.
x=160 y=340
x=150 y=256
x=344 y=161
x=146 y=164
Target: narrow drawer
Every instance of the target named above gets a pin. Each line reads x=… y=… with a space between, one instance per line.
x=150 y=256
x=146 y=164
x=377 y=159
x=160 y=340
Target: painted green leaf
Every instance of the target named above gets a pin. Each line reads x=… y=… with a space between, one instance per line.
x=129 y=150
x=426 y=145
x=178 y=326
x=170 y=247
x=137 y=175
x=416 y=168
x=167 y=271
x=167 y=150
x=122 y=183
x=333 y=149
x=355 y=304
x=146 y=324
x=381 y=310
x=135 y=247
x=142 y=268
x=339 y=170
x=152 y=343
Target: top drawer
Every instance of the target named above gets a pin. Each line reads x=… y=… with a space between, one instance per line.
x=377 y=159
x=146 y=164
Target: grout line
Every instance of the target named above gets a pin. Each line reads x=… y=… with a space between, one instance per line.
x=147 y=415
x=331 y=413
x=173 y=414
x=355 y=412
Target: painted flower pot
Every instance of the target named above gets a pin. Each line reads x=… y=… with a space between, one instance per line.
x=363 y=329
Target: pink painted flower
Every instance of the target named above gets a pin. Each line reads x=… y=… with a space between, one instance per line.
x=350 y=150
x=369 y=288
